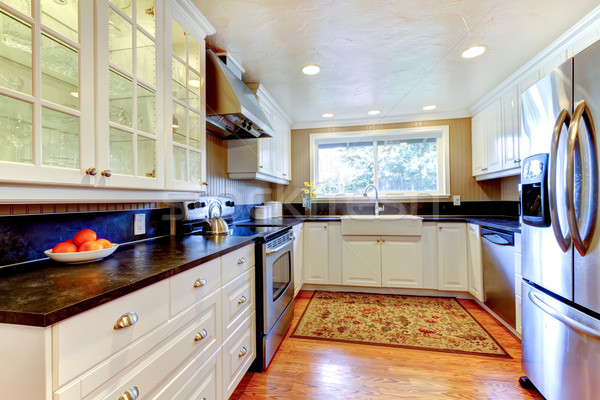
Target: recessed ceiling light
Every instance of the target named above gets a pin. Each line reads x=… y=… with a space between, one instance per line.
x=311 y=69
x=74 y=94
x=327 y=115
x=374 y=112
x=429 y=108
x=195 y=83
x=474 y=51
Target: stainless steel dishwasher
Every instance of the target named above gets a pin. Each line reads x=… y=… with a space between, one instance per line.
x=498 y=258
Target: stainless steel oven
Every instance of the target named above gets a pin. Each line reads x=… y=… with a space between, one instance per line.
x=275 y=273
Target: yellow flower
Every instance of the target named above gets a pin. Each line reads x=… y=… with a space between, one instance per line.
x=313 y=195
x=312 y=185
x=306 y=184
x=305 y=190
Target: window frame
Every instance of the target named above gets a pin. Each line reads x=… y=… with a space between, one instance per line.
x=440 y=132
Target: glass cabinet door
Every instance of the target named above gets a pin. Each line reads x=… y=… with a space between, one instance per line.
x=187 y=158
x=43 y=104
x=130 y=149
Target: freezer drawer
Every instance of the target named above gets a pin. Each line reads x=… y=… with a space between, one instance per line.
x=561 y=347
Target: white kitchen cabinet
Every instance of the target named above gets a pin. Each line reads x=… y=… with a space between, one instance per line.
x=475 y=268
x=518 y=278
x=452 y=256
x=316 y=253
x=334 y=247
x=511 y=129
x=298 y=257
x=429 y=257
x=401 y=261
x=486 y=133
x=266 y=159
x=361 y=261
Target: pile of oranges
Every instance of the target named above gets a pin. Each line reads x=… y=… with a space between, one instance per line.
x=84 y=240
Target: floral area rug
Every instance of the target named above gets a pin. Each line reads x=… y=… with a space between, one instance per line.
x=429 y=323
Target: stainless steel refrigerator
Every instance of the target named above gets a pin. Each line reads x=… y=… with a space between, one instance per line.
x=560 y=249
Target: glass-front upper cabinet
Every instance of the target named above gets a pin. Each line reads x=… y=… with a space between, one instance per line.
x=46 y=91
x=130 y=96
x=185 y=109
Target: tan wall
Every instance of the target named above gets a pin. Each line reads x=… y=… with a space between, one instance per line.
x=461 y=181
x=509 y=189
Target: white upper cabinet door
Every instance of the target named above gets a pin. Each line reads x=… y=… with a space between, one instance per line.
x=361 y=261
x=475 y=269
x=129 y=119
x=452 y=257
x=47 y=92
x=185 y=111
x=316 y=253
x=401 y=261
x=478 y=150
x=493 y=136
x=511 y=129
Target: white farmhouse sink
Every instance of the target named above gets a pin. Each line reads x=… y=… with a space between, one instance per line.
x=398 y=225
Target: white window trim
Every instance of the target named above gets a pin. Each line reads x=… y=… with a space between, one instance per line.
x=442 y=132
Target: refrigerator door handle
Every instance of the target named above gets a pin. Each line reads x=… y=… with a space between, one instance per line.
x=564 y=242
x=582 y=245
x=568 y=321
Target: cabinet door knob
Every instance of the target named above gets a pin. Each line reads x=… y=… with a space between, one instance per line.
x=377 y=240
x=242 y=300
x=107 y=173
x=199 y=283
x=130 y=394
x=126 y=320
x=243 y=352
x=202 y=334
x=205 y=183
x=91 y=171
x=242 y=260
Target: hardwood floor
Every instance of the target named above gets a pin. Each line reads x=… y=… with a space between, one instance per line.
x=312 y=369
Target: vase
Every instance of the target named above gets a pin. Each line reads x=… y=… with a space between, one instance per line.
x=306 y=204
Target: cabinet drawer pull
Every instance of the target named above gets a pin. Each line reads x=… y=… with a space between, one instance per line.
x=242 y=300
x=126 y=320
x=243 y=352
x=242 y=260
x=199 y=283
x=130 y=394
x=91 y=171
x=107 y=173
x=202 y=334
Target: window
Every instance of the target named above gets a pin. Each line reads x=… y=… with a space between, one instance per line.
x=400 y=162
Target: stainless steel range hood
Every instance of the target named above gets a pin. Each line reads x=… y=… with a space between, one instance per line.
x=232 y=110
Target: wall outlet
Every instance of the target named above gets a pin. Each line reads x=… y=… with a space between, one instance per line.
x=456 y=200
x=139 y=224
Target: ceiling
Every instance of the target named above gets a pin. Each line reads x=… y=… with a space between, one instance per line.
x=393 y=56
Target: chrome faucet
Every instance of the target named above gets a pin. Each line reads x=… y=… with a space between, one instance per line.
x=377 y=207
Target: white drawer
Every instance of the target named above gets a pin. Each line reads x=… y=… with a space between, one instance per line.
x=192 y=285
x=84 y=340
x=238 y=353
x=238 y=301
x=156 y=370
x=237 y=262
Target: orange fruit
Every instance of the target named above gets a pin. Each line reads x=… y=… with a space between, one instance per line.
x=64 y=247
x=105 y=243
x=90 y=246
x=69 y=241
x=84 y=235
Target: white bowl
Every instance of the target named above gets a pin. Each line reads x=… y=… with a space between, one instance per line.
x=81 y=257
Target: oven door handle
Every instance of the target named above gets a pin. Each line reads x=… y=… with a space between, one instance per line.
x=280 y=247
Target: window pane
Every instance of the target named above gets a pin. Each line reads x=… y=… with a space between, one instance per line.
x=121 y=99
x=60 y=139
x=179 y=124
x=195 y=130
x=146 y=110
x=62 y=16
x=194 y=91
x=23 y=6
x=146 y=59
x=345 y=167
x=15 y=57
x=195 y=53
x=121 y=152
x=120 y=34
x=123 y=5
x=146 y=157
x=179 y=80
x=145 y=15
x=195 y=166
x=179 y=164
x=178 y=39
x=16 y=135
x=60 y=73
x=408 y=165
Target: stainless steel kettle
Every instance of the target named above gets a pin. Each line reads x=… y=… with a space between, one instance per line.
x=215 y=225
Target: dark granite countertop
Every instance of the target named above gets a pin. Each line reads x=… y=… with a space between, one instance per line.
x=45 y=292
